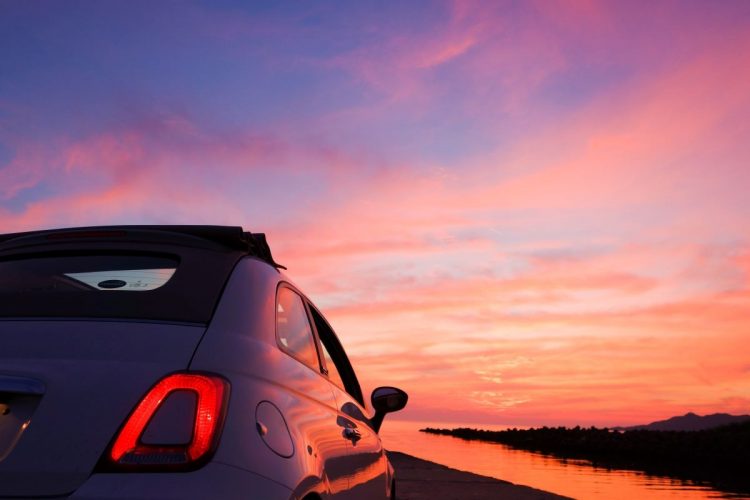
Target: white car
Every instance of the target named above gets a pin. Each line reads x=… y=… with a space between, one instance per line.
x=175 y=362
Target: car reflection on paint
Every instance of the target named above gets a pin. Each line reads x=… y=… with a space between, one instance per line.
x=175 y=362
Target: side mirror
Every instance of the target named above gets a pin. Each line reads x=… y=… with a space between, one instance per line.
x=386 y=400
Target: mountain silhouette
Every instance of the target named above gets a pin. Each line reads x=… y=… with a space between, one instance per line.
x=689 y=422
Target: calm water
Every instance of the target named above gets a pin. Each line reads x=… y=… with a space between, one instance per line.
x=572 y=478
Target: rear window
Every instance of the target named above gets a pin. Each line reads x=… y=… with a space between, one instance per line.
x=167 y=287
x=92 y=273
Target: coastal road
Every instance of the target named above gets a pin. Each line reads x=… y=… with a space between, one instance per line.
x=418 y=479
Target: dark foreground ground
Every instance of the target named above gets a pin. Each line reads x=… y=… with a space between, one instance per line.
x=418 y=479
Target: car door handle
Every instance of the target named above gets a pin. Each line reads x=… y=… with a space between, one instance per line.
x=353 y=434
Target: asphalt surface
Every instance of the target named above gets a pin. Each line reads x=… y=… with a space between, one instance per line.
x=418 y=479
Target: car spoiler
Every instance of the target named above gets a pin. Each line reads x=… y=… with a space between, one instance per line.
x=230 y=237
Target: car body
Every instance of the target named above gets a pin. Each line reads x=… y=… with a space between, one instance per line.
x=175 y=362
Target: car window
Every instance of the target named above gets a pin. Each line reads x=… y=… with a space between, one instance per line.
x=105 y=273
x=293 y=331
x=333 y=372
x=336 y=357
x=184 y=286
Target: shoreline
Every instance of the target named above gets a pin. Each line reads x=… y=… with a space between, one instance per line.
x=418 y=479
x=715 y=458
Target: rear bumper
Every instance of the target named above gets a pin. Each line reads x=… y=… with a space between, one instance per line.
x=215 y=480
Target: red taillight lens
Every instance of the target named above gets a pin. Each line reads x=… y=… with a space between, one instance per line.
x=210 y=392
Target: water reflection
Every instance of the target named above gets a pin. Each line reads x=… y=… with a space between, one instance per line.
x=573 y=478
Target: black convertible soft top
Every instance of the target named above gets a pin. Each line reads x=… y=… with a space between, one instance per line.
x=231 y=237
x=152 y=273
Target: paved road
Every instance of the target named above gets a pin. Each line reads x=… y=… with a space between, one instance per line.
x=418 y=479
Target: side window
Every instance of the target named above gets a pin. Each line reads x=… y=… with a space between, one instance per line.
x=333 y=372
x=293 y=331
x=340 y=370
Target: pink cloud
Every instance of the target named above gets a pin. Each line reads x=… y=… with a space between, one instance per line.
x=487 y=50
x=25 y=170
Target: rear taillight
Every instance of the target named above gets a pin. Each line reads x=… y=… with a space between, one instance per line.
x=147 y=440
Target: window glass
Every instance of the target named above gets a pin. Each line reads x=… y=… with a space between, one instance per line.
x=124 y=279
x=66 y=273
x=113 y=284
x=293 y=328
x=336 y=358
x=333 y=372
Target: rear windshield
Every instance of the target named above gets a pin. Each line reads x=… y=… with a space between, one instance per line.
x=132 y=285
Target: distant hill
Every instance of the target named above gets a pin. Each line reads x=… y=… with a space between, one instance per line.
x=689 y=422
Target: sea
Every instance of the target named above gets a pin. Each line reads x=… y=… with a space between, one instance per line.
x=572 y=478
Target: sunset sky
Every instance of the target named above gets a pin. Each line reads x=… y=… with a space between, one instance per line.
x=519 y=212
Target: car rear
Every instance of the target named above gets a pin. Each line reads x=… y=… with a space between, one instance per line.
x=98 y=328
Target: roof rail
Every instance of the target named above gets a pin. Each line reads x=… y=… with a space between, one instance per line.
x=233 y=237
